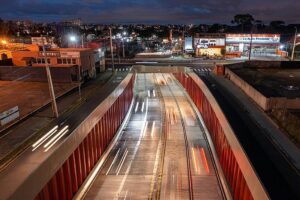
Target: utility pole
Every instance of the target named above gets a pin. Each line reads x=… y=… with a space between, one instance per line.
x=250 y=50
x=111 y=50
x=294 y=45
x=50 y=84
x=123 y=48
x=82 y=40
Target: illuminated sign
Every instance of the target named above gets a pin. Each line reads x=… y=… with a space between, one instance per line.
x=69 y=54
x=205 y=43
x=256 y=38
x=188 y=44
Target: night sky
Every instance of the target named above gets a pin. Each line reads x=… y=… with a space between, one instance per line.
x=150 y=11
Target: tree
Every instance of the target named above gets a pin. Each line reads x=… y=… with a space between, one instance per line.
x=243 y=20
x=277 y=24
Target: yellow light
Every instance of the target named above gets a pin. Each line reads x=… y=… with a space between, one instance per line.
x=3 y=41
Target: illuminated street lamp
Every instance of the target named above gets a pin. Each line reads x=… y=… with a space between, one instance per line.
x=73 y=40
x=4 y=42
x=123 y=43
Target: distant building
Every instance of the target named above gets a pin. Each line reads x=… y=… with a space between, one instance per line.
x=82 y=58
x=73 y=22
x=211 y=45
x=238 y=45
x=40 y=41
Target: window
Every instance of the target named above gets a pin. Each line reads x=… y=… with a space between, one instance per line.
x=69 y=61
x=48 y=60
x=73 y=61
x=59 y=61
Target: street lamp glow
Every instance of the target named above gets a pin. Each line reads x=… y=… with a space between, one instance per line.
x=72 y=38
x=281 y=47
x=124 y=33
x=3 y=41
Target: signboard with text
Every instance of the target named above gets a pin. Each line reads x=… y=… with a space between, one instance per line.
x=256 y=38
x=209 y=42
x=9 y=115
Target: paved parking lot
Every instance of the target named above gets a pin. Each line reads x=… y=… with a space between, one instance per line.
x=28 y=96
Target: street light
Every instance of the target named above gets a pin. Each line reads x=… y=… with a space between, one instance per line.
x=3 y=41
x=73 y=38
x=294 y=45
x=111 y=50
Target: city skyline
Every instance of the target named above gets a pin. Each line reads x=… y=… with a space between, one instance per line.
x=151 y=12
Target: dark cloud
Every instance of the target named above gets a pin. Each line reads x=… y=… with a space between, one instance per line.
x=150 y=11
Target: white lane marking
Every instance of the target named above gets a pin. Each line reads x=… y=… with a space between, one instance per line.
x=143 y=106
x=152 y=129
x=136 y=107
x=145 y=128
x=134 y=154
x=122 y=162
x=112 y=163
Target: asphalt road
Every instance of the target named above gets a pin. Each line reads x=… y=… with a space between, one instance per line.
x=162 y=152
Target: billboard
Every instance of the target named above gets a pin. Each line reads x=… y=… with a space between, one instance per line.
x=204 y=43
x=256 y=38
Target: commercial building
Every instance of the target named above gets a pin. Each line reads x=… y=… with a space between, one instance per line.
x=238 y=45
x=82 y=58
x=210 y=45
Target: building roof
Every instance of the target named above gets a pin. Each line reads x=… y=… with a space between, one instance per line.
x=272 y=81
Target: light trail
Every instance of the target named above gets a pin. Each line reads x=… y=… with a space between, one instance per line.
x=44 y=138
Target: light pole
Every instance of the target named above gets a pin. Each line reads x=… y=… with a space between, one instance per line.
x=294 y=45
x=73 y=39
x=251 y=41
x=50 y=83
x=111 y=50
x=82 y=40
x=124 y=34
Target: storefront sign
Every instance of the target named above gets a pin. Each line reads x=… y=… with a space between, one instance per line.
x=256 y=38
x=205 y=43
x=69 y=54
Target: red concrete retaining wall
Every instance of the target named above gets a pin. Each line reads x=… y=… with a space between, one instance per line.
x=67 y=180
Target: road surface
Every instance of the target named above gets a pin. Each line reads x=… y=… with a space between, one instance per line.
x=162 y=152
